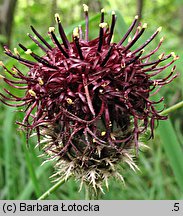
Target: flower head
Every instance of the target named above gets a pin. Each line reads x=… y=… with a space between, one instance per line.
x=89 y=100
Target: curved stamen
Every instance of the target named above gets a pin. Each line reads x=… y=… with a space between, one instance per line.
x=76 y=40
x=148 y=41
x=129 y=31
x=88 y=95
x=102 y=25
x=134 y=59
x=101 y=33
x=129 y=45
x=61 y=31
x=36 y=57
x=85 y=7
x=37 y=42
x=41 y=38
x=155 y=62
x=23 y=61
x=112 y=27
x=51 y=30
x=153 y=51
x=15 y=105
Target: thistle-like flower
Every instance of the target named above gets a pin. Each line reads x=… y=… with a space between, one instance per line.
x=89 y=100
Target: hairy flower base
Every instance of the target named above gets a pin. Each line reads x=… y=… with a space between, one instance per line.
x=89 y=100
x=88 y=170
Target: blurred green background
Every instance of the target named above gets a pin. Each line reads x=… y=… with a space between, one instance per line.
x=161 y=175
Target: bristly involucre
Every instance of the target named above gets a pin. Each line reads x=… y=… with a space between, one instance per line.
x=89 y=100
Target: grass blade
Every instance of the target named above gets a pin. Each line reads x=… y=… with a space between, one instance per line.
x=172 y=149
x=8 y=146
x=29 y=188
x=31 y=169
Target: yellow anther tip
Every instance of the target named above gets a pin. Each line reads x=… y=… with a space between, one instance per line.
x=40 y=81
x=76 y=32
x=14 y=70
x=57 y=17
x=69 y=101
x=28 y=52
x=112 y=136
x=136 y=17
x=1 y=63
x=123 y=65
x=174 y=56
x=103 y=25
x=85 y=7
x=51 y=29
x=162 y=39
x=160 y=56
x=144 y=26
x=16 y=51
x=103 y=10
x=6 y=49
x=1 y=76
x=103 y=133
x=129 y=39
x=159 y=29
x=139 y=28
x=32 y=93
x=113 y=13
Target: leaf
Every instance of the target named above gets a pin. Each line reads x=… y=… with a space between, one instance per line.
x=8 y=146
x=31 y=169
x=171 y=145
x=29 y=188
x=173 y=149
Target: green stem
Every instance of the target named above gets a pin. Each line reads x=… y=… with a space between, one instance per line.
x=90 y=193
x=87 y=193
x=52 y=189
x=172 y=108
